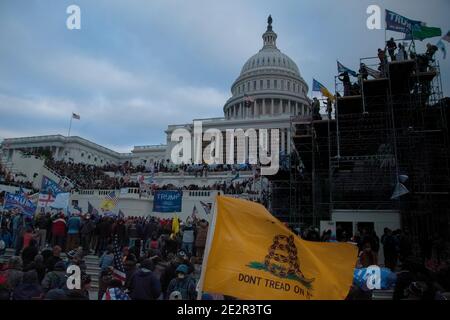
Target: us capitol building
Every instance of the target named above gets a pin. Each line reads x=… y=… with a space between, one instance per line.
x=269 y=78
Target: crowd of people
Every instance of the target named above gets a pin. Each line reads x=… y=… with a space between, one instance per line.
x=158 y=256
x=161 y=258
x=8 y=179
x=411 y=276
x=118 y=176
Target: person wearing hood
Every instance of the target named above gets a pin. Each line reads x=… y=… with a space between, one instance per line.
x=183 y=283
x=55 y=279
x=29 y=289
x=145 y=285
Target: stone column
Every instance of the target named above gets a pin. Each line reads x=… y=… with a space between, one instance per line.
x=263 y=107
x=272 y=107
x=282 y=140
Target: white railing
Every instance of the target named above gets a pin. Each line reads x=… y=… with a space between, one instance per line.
x=134 y=193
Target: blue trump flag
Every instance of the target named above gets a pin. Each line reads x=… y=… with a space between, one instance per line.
x=396 y=22
x=20 y=202
x=167 y=201
x=49 y=186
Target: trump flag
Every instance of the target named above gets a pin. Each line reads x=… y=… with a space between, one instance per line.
x=252 y=255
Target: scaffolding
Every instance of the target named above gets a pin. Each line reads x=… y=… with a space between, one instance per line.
x=396 y=128
x=389 y=130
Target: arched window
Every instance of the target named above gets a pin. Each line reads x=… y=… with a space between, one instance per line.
x=268 y=84
x=289 y=86
x=261 y=84
x=275 y=84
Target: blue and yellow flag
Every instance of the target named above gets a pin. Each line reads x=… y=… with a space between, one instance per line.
x=252 y=255
x=317 y=86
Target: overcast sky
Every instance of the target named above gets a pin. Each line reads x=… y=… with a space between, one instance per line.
x=137 y=66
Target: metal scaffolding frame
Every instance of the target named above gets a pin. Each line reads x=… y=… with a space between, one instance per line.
x=394 y=127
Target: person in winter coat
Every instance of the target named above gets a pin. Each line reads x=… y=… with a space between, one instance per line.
x=87 y=231
x=188 y=239
x=29 y=289
x=55 y=279
x=183 y=283
x=200 y=240
x=54 y=258
x=38 y=266
x=107 y=258
x=145 y=285
x=59 y=231
x=73 y=232
x=29 y=253
x=14 y=273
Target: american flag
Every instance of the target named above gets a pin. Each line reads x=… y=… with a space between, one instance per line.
x=75 y=116
x=112 y=197
x=118 y=269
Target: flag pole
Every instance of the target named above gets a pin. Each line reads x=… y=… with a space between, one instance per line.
x=209 y=240
x=70 y=125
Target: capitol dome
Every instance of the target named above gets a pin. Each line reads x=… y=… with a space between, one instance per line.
x=270 y=58
x=269 y=85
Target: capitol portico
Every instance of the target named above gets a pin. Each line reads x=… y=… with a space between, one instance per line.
x=266 y=94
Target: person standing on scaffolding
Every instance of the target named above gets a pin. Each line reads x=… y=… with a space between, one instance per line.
x=316 y=109
x=344 y=77
x=363 y=73
x=401 y=54
x=329 y=108
x=383 y=61
x=391 y=46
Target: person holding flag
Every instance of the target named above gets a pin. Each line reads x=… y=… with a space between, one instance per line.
x=344 y=77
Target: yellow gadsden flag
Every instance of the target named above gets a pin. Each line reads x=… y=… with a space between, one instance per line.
x=252 y=255
x=107 y=205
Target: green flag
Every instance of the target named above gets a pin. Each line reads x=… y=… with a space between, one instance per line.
x=422 y=32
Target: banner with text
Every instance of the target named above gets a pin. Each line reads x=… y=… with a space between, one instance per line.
x=20 y=202
x=167 y=201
